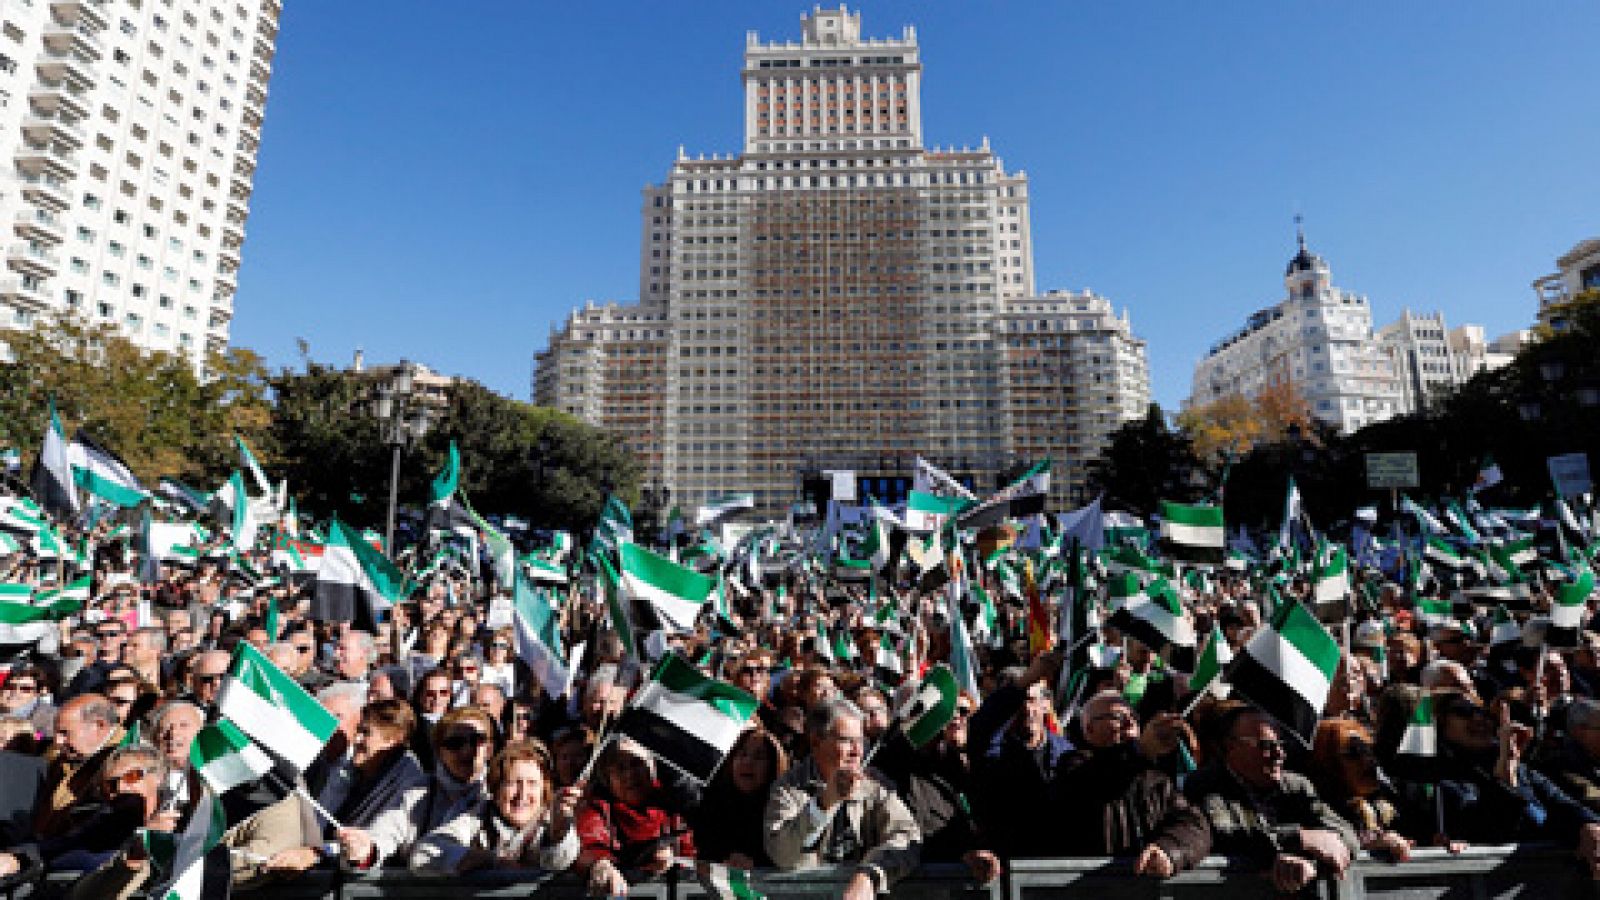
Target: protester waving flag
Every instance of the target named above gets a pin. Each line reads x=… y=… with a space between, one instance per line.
x=1287 y=669
x=273 y=708
x=686 y=719
x=103 y=474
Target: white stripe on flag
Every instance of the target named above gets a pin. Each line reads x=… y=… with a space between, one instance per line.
x=690 y=714
x=1272 y=651
x=256 y=715
x=1195 y=535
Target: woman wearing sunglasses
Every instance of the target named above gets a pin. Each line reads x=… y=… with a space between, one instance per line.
x=523 y=823
x=1487 y=794
x=463 y=741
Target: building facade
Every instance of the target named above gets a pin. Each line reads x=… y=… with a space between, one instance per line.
x=133 y=130
x=1577 y=270
x=1432 y=359
x=1318 y=340
x=836 y=296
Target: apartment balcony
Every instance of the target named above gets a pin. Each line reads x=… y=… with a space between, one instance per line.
x=46 y=190
x=272 y=9
x=238 y=209
x=229 y=254
x=67 y=66
x=39 y=225
x=47 y=127
x=73 y=38
x=89 y=12
x=260 y=71
x=49 y=96
x=50 y=159
x=30 y=259
x=255 y=98
x=228 y=280
x=26 y=293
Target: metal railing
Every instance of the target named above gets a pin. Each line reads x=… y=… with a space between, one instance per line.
x=1481 y=873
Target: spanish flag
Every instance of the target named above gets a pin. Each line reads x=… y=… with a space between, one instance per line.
x=1040 y=636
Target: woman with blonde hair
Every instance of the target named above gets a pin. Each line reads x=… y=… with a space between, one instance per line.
x=522 y=823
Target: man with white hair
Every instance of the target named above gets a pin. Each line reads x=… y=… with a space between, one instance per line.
x=331 y=775
x=830 y=809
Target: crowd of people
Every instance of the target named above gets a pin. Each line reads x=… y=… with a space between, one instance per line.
x=451 y=756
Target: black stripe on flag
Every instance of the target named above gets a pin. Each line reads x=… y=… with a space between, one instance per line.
x=1141 y=629
x=341 y=602
x=670 y=743
x=1272 y=695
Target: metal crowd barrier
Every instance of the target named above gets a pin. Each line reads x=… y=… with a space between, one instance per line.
x=1480 y=873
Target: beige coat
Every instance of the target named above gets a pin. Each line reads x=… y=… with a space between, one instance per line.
x=795 y=828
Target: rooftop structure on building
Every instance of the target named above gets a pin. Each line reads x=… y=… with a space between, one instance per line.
x=133 y=131
x=840 y=296
x=1577 y=270
x=1320 y=341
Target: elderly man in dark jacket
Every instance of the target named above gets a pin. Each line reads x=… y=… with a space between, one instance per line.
x=1267 y=815
x=1122 y=801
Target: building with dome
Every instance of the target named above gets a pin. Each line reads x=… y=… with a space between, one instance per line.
x=1317 y=339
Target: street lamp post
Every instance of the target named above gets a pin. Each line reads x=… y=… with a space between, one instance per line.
x=400 y=424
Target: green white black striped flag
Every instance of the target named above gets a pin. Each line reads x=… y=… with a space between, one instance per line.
x=1194 y=533
x=1153 y=614
x=727 y=883
x=673 y=592
x=273 y=708
x=686 y=719
x=1213 y=660
x=1421 y=737
x=1287 y=669
x=103 y=473
x=194 y=863
x=355 y=582
x=23 y=623
x=1571 y=608
x=538 y=632
x=253 y=466
x=718 y=508
x=225 y=758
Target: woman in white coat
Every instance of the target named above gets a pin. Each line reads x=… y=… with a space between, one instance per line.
x=524 y=823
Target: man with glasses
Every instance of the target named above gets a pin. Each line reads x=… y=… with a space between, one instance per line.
x=1260 y=812
x=205 y=678
x=109 y=636
x=752 y=672
x=830 y=809
x=1124 y=803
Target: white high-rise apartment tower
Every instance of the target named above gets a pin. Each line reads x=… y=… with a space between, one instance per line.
x=131 y=128
x=836 y=297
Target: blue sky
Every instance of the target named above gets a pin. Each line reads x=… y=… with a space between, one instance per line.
x=444 y=180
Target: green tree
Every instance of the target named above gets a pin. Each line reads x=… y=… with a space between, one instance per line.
x=149 y=407
x=1146 y=462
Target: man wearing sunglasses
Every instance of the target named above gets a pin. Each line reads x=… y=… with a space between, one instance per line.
x=1259 y=811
